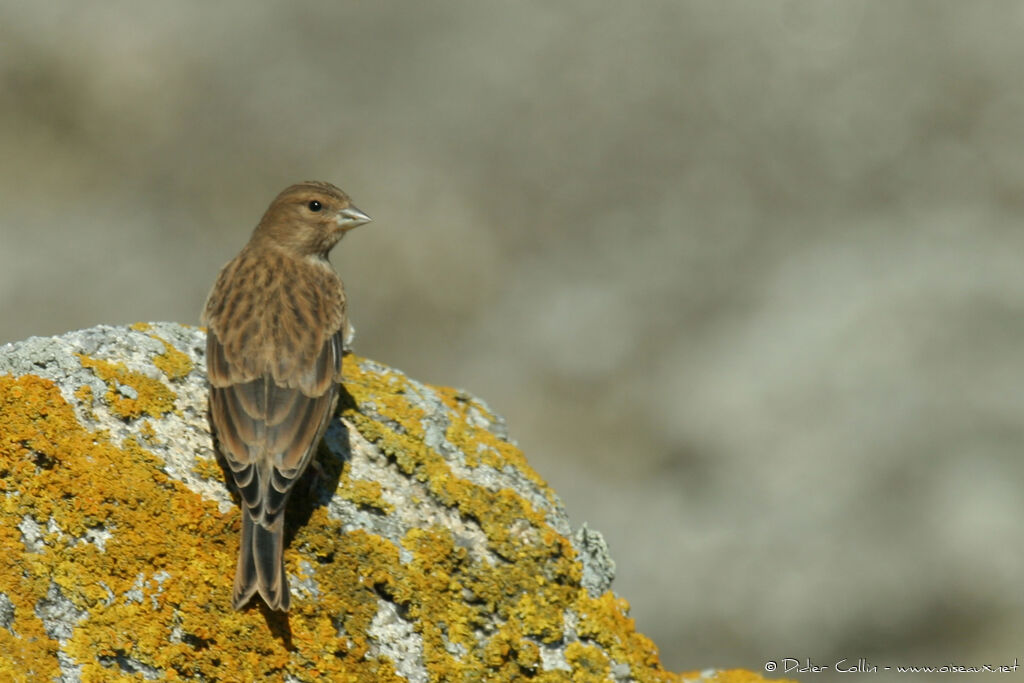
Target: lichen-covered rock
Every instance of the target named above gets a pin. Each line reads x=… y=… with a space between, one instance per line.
x=424 y=548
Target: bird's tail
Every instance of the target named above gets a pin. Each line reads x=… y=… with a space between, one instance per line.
x=261 y=564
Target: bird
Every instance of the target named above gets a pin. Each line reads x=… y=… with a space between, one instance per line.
x=276 y=326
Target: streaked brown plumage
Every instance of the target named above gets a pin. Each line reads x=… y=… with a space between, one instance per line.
x=275 y=331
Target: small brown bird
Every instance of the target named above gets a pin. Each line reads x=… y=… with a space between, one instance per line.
x=275 y=331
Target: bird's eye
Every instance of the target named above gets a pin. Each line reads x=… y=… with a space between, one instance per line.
x=315 y=205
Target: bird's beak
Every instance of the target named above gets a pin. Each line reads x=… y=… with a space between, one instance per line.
x=352 y=218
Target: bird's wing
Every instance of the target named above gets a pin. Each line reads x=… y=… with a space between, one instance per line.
x=268 y=431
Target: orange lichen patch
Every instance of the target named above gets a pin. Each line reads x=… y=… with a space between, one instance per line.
x=171 y=362
x=153 y=398
x=85 y=400
x=84 y=395
x=207 y=468
x=365 y=494
x=540 y=618
x=588 y=663
x=147 y=432
x=605 y=620
x=358 y=568
x=480 y=445
x=528 y=657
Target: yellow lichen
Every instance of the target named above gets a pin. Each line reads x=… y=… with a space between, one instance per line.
x=152 y=398
x=84 y=395
x=172 y=362
x=605 y=620
x=207 y=468
x=85 y=400
x=147 y=432
x=589 y=664
x=482 y=446
x=365 y=494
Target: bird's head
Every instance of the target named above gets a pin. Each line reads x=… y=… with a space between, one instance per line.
x=308 y=219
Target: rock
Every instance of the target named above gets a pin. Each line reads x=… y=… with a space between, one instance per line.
x=424 y=549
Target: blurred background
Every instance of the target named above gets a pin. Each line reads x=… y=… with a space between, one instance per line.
x=745 y=278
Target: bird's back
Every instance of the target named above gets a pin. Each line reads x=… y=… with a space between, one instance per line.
x=274 y=368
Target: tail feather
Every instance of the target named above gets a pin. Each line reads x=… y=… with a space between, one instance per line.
x=245 y=570
x=261 y=564
x=268 y=553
